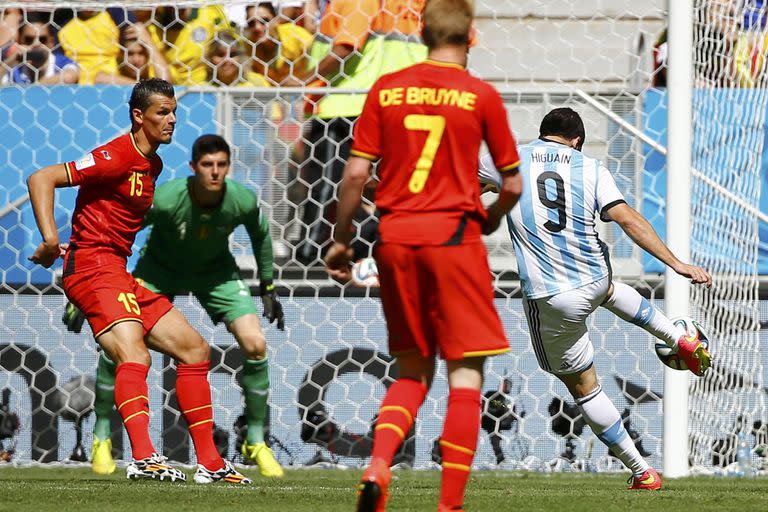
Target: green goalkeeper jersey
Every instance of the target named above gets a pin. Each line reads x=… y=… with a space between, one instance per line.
x=193 y=241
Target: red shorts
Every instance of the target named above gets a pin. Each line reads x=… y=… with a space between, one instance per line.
x=439 y=298
x=108 y=295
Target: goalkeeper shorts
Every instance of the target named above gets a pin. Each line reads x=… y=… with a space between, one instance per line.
x=222 y=293
x=439 y=299
x=558 y=327
x=108 y=295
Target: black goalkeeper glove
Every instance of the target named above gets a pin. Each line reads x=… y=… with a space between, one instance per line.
x=73 y=318
x=273 y=310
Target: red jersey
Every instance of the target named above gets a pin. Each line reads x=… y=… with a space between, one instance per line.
x=427 y=123
x=117 y=182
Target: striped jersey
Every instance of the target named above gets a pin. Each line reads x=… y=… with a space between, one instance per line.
x=553 y=225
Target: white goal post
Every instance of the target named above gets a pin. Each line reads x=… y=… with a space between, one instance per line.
x=679 y=123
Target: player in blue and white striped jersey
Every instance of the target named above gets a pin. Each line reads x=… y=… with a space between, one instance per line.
x=554 y=226
x=566 y=274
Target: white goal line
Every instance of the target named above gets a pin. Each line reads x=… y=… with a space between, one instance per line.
x=663 y=150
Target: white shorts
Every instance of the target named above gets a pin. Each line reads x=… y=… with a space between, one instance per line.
x=558 y=326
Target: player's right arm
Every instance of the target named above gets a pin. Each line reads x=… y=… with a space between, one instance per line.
x=642 y=233
x=41 y=186
x=366 y=149
x=503 y=149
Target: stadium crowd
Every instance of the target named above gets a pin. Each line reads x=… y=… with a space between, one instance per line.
x=731 y=45
x=345 y=44
x=265 y=43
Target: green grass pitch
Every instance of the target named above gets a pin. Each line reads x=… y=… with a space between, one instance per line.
x=60 y=489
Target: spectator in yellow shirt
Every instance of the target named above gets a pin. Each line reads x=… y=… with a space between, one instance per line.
x=280 y=46
x=228 y=65
x=187 y=46
x=141 y=59
x=92 y=39
x=156 y=33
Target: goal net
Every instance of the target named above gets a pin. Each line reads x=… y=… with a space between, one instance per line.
x=330 y=367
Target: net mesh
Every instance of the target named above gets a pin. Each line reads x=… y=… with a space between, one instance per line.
x=330 y=367
x=729 y=133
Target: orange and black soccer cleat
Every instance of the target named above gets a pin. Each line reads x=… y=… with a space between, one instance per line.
x=154 y=468
x=372 y=492
x=650 y=480
x=228 y=474
x=694 y=354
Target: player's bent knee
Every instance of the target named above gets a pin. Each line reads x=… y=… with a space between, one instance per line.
x=254 y=346
x=124 y=343
x=582 y=383
x=466 y=373
x=195 y=353
x=131 y=356
x=247 y=331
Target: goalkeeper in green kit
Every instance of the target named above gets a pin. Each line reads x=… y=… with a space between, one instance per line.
x=187 y=250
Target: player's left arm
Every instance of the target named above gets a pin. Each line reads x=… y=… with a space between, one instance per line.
x=503 y=149
x=41 y=186
x=257 y=226
x=489 y=177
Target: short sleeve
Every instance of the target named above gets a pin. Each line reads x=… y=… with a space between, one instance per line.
x=367 y=131
x=62 y=62
x=95 y=167
x=348 y=22
x=487 y=172
x=607 y=194
x=497 y=133
x=294 y=41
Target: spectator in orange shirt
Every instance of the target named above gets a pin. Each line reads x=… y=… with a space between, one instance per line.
x=343 y=55
x=357 y=42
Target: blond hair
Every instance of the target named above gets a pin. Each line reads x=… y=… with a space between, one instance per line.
x=447 y=22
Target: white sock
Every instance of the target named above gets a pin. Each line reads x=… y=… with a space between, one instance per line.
x=632 y=307
x=606 y=423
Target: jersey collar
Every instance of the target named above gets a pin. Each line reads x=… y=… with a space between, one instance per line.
x=136 y=146
x=542 y=139
x=442 y=64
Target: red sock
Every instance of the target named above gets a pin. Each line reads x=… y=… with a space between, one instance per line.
x=194 y=396
x=458 y=442
x=132 y=402
x=396 y=416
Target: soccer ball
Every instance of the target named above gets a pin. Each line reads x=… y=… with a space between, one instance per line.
x=365 y=272
x=692 y=329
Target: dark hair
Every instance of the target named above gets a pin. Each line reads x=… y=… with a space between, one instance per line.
x=564 y=122
x=268 y=6
x=37 y=17
x=141 y=96
x=207 y=144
